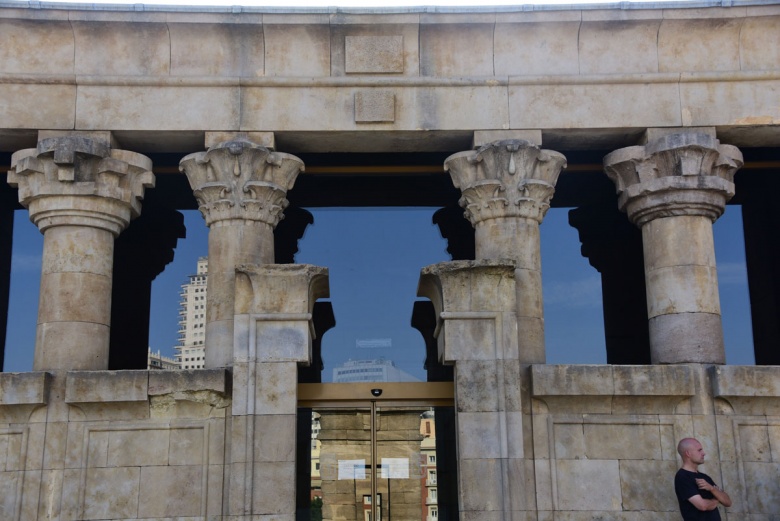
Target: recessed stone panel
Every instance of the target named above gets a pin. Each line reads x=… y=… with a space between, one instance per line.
x=374 y=54
x=374 y=106
x=622 y=441
x=112 y=493
x=588 y=485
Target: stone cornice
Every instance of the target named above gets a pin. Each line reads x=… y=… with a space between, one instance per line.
x=512 y=178
x=240 y=180
x=78 y=181
x=378 y=81
x=679 y=174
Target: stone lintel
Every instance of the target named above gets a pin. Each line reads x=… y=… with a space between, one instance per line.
x=266 y=139
x=483 y=137
x=745 y=381
x=611 y=380
x=106 y=386
x=653 y=134
x=24 y=388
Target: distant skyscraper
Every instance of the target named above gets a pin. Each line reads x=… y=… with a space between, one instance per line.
x=378 y=370
x=191 y=352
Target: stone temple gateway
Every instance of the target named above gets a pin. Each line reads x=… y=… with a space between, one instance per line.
x=645 y=121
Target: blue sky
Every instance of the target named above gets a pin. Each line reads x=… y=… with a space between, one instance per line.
x=375 y=256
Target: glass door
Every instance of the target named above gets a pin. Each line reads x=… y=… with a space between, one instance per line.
x=375 y=459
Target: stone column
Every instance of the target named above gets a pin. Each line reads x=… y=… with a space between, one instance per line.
x=241 y=188
x=507 y=187
x=477 y=332
x=81 y=194
x=273 y=335
x=613 y=246
x=674 y=188
x=141 y=253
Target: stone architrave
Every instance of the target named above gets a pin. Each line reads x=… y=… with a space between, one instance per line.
x=507 y=187
x=241 y=188
x=274 y=330
x=674 y=188
x=81 y=194
x=477 y=332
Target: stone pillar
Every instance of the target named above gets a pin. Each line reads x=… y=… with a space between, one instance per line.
x=507 y=187
x=613 y=246
x=141 y=253
x=7 y=206
x=81 y=194
x=273 y=335
x=241 y=188
x=477 y=331
x=674 y=188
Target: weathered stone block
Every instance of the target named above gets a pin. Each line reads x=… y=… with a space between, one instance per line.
x=373 y=54
x=112 y=493
x=172 y=491
x=563 y=380
x=588 y=485
x=106 y=386
x=647 y=485
x=374 y=106
x=24 y=388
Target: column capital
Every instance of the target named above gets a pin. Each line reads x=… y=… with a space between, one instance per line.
x=510 y=178
x=74 y=180
x=241 y=180
x=678 y=174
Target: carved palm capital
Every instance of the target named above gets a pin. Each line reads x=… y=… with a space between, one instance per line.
x=679 y=174
x=241 y=180
x=512 y=178
x=78 y=181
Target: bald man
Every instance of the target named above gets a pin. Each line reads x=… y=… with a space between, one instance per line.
x=697 y=494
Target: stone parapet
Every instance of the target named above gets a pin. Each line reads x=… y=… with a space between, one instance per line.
x=24 y=388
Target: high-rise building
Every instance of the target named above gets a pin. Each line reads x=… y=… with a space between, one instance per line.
x=376 y=370
x=191 y=351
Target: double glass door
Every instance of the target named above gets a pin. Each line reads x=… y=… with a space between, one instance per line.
x=376 y=459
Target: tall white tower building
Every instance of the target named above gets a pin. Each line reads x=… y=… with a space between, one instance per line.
x=191 y=352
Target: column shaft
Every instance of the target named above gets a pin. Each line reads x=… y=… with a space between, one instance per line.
x=74 y=312
x=231 y=243
x=683 y=305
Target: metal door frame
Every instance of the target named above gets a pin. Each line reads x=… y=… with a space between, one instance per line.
x=370 y=395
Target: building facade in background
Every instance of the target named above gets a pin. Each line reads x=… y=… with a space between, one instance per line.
x=191 y=351
x=160 y=361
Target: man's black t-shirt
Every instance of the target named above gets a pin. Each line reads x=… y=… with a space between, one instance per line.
x=685 y=487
